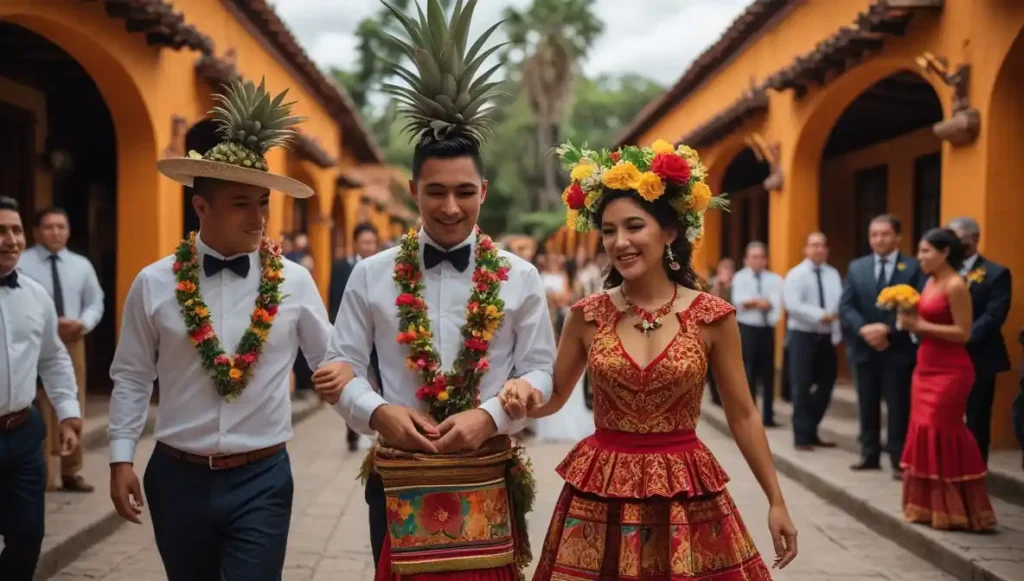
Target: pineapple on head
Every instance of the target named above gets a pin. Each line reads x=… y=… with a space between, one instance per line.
x=251 y=123
x=443 y=99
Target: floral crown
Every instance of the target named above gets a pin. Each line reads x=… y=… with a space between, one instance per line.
x=653 y=172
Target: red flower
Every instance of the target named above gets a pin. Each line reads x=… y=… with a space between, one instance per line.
x=442 y=513
x=272 y=310
x=574 y=197
x=671 y=168
x=474 y=344
x=440 y=382
x=177 y=266
x=486 y=244
x=406 y=300
x=247 y=359
x=615 y=156
x=483 y=365
x=405 y=338
x=202 y=333
x=482 y=287
x=503 y=273
x=221 y=360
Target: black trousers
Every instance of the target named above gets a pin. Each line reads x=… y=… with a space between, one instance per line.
x=759 y=364
x=220 y=525
x=876 y=379
x=812 y=364
x=377 y=502
x=22 y=498
x=979 y=411
x=1018 y=412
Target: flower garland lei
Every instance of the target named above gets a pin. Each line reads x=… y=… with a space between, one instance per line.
x=458 y=390
x=230 y=374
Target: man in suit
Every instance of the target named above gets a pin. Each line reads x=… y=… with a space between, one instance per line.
x=367 y=243
x=990 y=286
x=883 y=358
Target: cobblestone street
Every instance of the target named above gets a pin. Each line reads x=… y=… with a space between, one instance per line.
x=328 y=538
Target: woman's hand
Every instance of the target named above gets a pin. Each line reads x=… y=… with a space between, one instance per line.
x=331 y=378
x=518 y=398
x=908 y=320
x=783 y=536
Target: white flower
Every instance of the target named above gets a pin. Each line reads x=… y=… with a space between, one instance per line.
x=593 y=181
x=692 y=234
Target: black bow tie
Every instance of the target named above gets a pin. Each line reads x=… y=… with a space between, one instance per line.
x=459 y=258
x=11 y=280
x=239 y=265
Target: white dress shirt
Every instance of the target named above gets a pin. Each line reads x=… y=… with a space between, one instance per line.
x=746 y=286
x=803 y=301
x=30 y=348
x=192 y=415
x=80 y=288
x=968 y=264
x=524 y=346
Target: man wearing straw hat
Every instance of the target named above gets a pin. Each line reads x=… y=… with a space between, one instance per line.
x=452 y=318
x=218 y=324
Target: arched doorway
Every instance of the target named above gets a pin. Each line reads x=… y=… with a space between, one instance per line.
x=881 y=156
x=201 y=137
x=58 y=147
x=747 y=218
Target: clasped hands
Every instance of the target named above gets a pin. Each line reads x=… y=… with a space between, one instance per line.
x=876 y=335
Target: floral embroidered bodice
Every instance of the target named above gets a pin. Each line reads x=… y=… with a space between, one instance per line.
x=659 y=402
x=664 y=396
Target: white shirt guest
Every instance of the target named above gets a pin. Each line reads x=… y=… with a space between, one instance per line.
x=805 y=305
x=748 y=284
x=193 y=416
x=80 y=288
x=524 y=346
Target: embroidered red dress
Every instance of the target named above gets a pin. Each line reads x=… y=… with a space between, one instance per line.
x=943 y=473
x=644 y=498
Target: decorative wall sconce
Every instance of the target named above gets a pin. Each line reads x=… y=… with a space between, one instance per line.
x=770 y=154
x=176 y=146
x=964 y=122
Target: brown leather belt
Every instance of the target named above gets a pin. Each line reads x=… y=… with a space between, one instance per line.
x=223 y=462
x=13 y=420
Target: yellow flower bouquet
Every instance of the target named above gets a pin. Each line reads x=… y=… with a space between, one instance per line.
x=899 y=298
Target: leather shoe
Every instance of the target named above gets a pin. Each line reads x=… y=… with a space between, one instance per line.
x=865 y=464
x=824 y=444
x=76 y=484
x=804 y=448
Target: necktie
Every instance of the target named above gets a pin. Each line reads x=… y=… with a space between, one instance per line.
x=11 y=280
x=881 y=273
x=764 y=315
x=459 y=258
x=58 y=291
x=821 y=287
x=239 y=265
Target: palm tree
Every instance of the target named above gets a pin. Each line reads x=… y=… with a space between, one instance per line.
x=552 y=36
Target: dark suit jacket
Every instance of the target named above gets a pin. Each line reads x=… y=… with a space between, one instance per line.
x=341 y=270
x=857 y=308
x=990 y=300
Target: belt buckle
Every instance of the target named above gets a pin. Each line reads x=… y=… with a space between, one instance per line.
x=8 y=421
x=210 y=459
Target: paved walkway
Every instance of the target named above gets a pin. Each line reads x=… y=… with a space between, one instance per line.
x=329 y=531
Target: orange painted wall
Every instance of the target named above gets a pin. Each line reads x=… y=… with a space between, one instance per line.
x=144 y=87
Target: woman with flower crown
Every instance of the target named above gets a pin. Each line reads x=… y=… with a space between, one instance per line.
x=217 y=323
x=644 y=498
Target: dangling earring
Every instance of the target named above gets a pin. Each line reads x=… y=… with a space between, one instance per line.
x=671 y=258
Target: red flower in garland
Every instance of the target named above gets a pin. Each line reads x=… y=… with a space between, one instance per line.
x=671 y=168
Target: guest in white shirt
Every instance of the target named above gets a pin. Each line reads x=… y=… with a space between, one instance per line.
x=29 y=348
x=811 y=296
x=72 y=282
x=757 y=296
x=219 y=482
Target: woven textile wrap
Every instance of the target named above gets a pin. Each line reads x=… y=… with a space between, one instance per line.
x=452 y=512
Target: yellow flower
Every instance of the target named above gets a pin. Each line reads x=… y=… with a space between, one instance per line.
x=662 y=146
x=487 y=335
x=688 y=153
x=491 y=310
x=592 y=199
x=623 y=176
x=649 y=186
x=201 y=312
x=571 y=216
x=700 y=196
x=235 y=373
x=582 y=171
x=443 y=396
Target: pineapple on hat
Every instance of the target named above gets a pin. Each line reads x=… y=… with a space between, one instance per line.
x=251 y=123
x=443 y=98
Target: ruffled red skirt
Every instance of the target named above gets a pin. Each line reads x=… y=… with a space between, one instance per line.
x=646 y=506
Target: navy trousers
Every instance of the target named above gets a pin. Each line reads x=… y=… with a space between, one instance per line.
x=213 y=525
x=377 y=502
x=22 y=498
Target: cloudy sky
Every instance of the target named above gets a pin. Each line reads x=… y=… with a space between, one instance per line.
x=656 y=38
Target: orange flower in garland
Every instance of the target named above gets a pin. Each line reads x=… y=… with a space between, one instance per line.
x=230 y=374
x=458 y=390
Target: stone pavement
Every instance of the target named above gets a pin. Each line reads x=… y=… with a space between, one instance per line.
x=329 y=529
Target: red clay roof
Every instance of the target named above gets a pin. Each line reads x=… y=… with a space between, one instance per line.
x=753 y=19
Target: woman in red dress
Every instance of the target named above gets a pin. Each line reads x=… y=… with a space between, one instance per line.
x=644 y=498
x=943 y=473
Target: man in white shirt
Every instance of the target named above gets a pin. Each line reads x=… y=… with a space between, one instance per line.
x=72 y=282
x=757 y=296
x=29 y=348
x=811 y=296
x=218 y=324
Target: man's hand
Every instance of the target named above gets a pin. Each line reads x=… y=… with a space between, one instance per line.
x=70 y=329
x=764 y=305
x=126 y=492
x=465 y=431
x=876 y=335
x=70 y=435
x=829 y=317
x=519 y=398
x=405 y=429
x=331 y=378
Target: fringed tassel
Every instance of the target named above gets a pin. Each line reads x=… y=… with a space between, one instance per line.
x=366 y=468
x=522 y=488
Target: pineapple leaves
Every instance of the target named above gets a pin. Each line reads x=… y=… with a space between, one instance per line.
x=252 y=121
